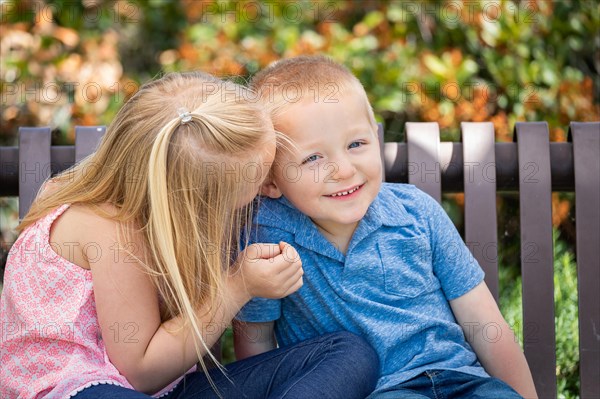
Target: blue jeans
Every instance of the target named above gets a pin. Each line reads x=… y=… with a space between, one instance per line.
x=339 y=365
x=448 y=384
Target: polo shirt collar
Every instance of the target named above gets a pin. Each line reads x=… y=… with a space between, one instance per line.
x=385 y=210
x=390 y=209
x=306 y=233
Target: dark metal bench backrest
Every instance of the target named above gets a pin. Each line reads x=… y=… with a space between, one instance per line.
x=38 y=160
x=477 y=166
x=536 y=175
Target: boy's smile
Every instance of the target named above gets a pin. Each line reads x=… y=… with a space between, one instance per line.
x=332 y=171
x=346 y=194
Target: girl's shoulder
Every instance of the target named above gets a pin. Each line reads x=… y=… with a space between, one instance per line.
x=82 y=231
x=89 y=219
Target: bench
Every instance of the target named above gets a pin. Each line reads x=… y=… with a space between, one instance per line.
x=531 y=165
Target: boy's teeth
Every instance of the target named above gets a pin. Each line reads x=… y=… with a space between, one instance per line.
x=344 y=192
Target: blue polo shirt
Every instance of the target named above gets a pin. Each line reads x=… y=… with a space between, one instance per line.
x=404 y=263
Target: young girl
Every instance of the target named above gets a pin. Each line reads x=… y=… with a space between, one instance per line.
x=120 y=280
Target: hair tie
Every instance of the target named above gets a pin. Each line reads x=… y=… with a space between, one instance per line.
x=184 y=115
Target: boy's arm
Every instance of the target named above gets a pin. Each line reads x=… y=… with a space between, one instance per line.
x=492 y=339
x=251 y=339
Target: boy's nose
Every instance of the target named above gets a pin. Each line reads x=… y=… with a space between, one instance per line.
x=344 y=169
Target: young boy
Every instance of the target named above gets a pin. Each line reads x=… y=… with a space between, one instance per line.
x=381 y=260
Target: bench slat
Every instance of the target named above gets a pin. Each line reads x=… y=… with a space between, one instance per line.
x=586 y=153
x=537 y=258
x=34 y=164
x=87 y=139
x=423 y=140
x=481 y=233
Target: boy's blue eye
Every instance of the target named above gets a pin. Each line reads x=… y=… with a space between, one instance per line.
x=355 y=144
x=312 y=158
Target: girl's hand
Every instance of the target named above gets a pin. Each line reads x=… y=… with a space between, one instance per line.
x=270 y=270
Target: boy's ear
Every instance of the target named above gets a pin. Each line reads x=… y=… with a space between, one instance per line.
x=270 y=189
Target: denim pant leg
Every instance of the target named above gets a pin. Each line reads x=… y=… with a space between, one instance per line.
x=109 y=391
x=339 y=365
x=454 y=384
x=448 y=384
x=418 y=387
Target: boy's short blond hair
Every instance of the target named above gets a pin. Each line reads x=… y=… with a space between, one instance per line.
x=304 y=78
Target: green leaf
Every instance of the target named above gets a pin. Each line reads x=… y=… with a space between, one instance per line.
x=435 y=65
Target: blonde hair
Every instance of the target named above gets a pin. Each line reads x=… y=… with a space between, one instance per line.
x=171 y=179
x=315 y=78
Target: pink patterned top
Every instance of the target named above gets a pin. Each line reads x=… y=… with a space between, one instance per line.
x=50 y=341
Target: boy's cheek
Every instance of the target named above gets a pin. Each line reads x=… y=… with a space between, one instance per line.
x=288 y=174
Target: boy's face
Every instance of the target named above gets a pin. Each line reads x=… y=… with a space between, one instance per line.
x=334 y=172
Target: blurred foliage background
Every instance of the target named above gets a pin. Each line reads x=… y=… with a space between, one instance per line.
x=70 y=62
x=65 y=63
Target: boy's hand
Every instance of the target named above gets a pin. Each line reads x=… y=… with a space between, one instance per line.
x=270 y=270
